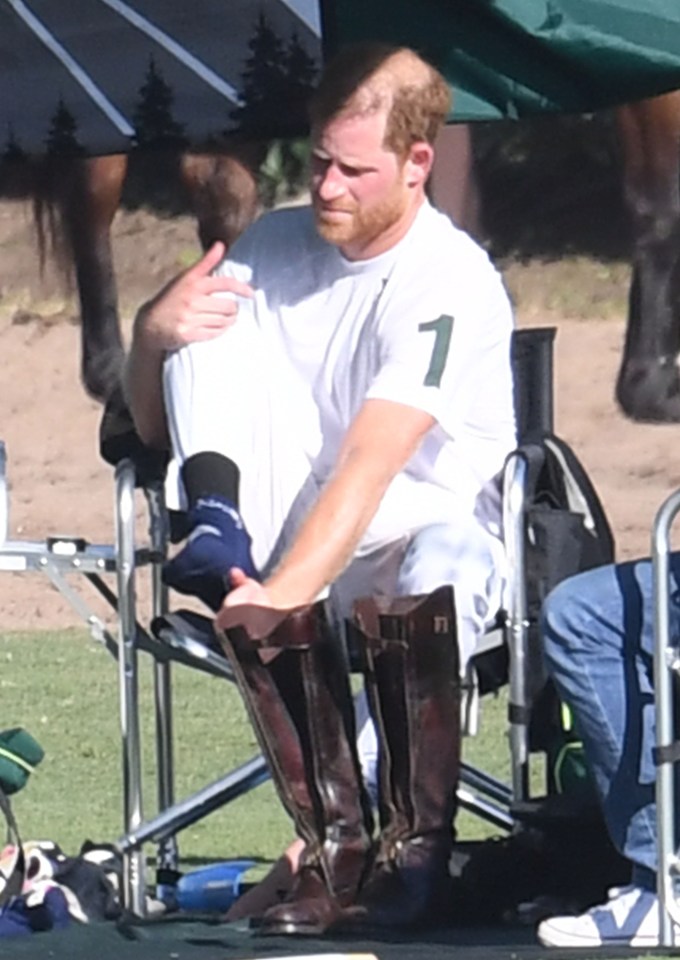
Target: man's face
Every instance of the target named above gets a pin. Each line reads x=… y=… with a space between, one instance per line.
x=359 y=193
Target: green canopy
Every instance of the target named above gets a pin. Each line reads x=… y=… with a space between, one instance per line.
x=515 y=58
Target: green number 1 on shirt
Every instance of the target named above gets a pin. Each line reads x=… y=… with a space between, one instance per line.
x=442 y=329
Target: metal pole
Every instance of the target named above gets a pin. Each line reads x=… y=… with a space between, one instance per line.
x=134 y=881
x=666 y=666
x=483 y=782
x=514 y=482
x=199 y=805
x=167 y=856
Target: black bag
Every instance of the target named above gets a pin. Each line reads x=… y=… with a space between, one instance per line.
x=566 y=532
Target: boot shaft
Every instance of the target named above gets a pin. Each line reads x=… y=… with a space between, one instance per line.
x=300 y=705
x=410 y=654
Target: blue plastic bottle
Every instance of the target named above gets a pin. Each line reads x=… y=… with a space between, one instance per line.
x=211 y=889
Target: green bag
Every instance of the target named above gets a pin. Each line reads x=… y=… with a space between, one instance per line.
x=20 y=754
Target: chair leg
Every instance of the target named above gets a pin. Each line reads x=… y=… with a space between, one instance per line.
x=301 y=708
x=414 y=687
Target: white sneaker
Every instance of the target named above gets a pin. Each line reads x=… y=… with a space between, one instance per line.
x=629 y=918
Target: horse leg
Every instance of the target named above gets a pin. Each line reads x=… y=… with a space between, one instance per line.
x=648 y=384
x=89 y=199
x=453 y=184
x=222 y=191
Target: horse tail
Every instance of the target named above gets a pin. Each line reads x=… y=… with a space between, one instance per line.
x=49 y=194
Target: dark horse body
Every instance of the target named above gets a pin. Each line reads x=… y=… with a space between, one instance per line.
x=222 y=189
x=648 y=385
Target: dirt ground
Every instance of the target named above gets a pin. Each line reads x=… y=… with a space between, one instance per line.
x=59 y=484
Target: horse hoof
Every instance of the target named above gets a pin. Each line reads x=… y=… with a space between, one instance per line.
x=650 y=393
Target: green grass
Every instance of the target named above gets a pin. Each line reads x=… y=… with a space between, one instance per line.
x=63 y=688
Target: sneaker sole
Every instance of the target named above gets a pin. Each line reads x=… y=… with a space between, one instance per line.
x=563 y=939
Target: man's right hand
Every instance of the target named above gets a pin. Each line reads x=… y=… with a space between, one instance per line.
x=194 y=306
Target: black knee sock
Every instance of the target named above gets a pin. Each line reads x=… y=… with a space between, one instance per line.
x=209 y=473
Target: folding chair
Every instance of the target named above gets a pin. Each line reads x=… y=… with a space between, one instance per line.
x=178 y=637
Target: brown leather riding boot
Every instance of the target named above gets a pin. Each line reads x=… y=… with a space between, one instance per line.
x=411 y=658
x=301 y=708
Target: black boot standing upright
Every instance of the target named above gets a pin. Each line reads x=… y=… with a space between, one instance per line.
x=411 y=659
x=300 y=705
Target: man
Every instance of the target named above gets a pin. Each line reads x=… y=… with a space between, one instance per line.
x=599 y=647
x=344 y=439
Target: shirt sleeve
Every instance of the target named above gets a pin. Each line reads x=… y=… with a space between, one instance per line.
x=447 y=352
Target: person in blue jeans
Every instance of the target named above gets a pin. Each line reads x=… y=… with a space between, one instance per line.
x=598 y=630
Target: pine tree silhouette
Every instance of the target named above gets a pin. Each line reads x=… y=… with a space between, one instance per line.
x=263 y=110
x=62 y=139
x=300 y=76
x=152 y=118
x=13 y=152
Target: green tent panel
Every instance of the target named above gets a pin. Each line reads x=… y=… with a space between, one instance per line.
x=515 y=58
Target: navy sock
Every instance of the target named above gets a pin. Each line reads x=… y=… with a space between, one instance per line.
x=218 y=539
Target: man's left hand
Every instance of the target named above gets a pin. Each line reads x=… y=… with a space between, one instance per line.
x=249 y=605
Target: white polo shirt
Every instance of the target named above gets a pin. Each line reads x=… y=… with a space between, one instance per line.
x=426 y=324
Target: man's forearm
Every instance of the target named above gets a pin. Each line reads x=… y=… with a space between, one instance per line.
x=143 y=384
x=328 y=536
x=185 y=311
x=379 y=443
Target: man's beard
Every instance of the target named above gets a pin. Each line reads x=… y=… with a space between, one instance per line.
x=359 y=226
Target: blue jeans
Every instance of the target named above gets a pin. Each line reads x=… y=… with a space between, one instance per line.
x=599 y=646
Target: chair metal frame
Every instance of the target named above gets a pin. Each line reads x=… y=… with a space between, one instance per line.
x=666 y=678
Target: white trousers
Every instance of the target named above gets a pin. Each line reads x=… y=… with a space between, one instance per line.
x=230 y=396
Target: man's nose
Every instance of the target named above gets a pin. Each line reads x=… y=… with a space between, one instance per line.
x=331 y=184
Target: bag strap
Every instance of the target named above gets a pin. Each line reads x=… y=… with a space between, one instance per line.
x=12 y=879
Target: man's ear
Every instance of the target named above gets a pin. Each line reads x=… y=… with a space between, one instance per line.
x=419 y=163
